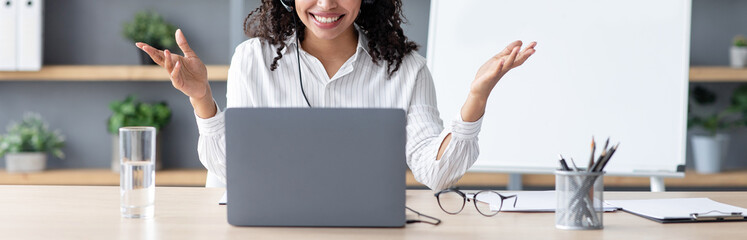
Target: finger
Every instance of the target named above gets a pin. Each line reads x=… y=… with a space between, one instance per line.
x=167 y=63
x=510 y=47
x=501 y=63
x=176 y=78
x=155 y=54
x=182 y=42
x=523 y=57
x=531 y=45
x=510 y=59
x=525 y=54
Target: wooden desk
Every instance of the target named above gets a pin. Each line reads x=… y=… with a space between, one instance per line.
x=92 y=212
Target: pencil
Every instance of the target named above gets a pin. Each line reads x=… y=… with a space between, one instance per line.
x=563 y=165
x=606 y=143
x=575 y=168
x=593 y=149
x=607 y=160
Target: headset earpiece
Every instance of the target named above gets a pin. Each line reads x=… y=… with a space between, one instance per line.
x=288 y=4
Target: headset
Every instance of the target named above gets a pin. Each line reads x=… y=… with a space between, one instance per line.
x=288 y=4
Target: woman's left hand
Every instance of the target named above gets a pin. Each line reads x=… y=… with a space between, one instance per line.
x=492 y=71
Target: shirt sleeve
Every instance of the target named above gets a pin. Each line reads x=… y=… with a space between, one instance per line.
x=425 y=133
x=211 y=145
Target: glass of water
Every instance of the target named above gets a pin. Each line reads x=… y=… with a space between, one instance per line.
x=137 y=154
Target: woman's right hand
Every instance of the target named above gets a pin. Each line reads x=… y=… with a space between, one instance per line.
x=188 y=74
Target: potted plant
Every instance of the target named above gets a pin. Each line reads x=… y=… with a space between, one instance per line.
x=150 y=28
x=739 y=52
x=131 y=112
x=710 y=149
x=27 y=143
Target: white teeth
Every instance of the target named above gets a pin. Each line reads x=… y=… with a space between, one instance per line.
x=326 y=19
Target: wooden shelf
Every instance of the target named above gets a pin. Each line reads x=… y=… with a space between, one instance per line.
x=717 y=74
x=181 y=177
x=196 y=177
x=105 y=73
x=220 y=73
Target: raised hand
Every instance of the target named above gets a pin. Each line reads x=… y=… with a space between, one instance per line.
x=187 y=73
x=493 y=70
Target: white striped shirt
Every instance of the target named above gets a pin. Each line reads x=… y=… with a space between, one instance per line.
x=359 y=83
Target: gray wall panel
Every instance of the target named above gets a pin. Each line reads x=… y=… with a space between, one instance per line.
x=88 y=32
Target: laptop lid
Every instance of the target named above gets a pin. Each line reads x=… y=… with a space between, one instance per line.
x=315 y=167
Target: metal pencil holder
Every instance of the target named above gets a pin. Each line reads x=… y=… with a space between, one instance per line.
x=579 y=199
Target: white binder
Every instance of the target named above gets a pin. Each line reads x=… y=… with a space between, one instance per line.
x=8 y=35
x=29 y=35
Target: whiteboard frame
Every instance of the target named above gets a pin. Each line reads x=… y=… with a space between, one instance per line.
x=679 y=173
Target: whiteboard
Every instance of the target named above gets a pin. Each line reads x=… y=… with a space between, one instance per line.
x=614 y=69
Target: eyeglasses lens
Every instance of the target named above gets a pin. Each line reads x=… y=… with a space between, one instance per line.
x=484 y=207
x=451 y=202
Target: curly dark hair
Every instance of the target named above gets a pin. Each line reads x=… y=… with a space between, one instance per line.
x=379 y=21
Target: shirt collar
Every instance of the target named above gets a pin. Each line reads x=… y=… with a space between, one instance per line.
x=362 y=42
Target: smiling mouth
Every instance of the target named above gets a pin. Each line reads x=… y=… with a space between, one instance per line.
x=327 y=19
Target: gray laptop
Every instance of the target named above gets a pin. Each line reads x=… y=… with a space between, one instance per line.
x=315 y=167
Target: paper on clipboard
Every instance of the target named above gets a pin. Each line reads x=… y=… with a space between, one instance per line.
x=528 y=201
x=677 y=209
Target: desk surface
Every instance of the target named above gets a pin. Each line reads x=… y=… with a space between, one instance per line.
x=83 y=212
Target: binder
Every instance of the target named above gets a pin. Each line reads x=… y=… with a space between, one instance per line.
x=29 y=35
x=682 y=210
x=8 y=35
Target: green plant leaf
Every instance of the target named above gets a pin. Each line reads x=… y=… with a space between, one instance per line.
x=150 y=27
x=740 y=41
x=136 y=113
x=739 y=98
x=31 y=135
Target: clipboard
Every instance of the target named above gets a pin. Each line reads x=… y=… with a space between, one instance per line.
x=682 y=210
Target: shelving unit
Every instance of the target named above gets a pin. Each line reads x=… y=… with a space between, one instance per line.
x=104 y=177
x=220 y=73
x=105 y=73
x=196 y=177
x=717 y=74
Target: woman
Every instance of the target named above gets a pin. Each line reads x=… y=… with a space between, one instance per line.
x=352 y=54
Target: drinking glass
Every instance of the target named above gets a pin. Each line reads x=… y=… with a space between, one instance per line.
x=137 y=151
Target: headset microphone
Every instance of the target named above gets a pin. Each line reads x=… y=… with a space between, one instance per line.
x=298 y=57
x=288 y=4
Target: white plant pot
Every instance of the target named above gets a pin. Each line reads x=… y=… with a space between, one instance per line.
x=25 y=162
x=738 y=57
x=709 y=152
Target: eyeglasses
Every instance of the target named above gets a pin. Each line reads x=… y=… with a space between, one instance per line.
x=452 y=201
